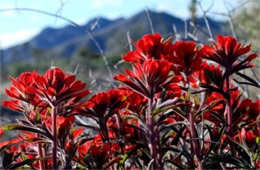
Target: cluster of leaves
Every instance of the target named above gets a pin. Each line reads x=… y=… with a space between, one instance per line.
x=178 y=107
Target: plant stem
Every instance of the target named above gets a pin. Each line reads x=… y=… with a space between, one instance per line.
x=229 y=117
x=195 y=143
x=40 y=156
x=54 y=142
x=45 y=153
x=154 y=143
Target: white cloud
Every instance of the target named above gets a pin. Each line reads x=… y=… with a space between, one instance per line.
x=13 y=38
x=178 y=8
x=80 y=21
x=97 y=4
x=113 y=16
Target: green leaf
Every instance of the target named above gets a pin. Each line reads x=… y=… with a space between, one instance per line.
x=209 y=107
x=187 y=97
x=175 y=164
x=7 y=159
x=19 y=164
x=113 y=161
x=246 y=83
x=174 y=124
x=176 y=139
x=252 y=81
x=196 y=100
x=135 y=116
x=211 y=88
x=166 y=149
x=239 y=163
x=25 y=128
x=144 y=131
x=214 y=138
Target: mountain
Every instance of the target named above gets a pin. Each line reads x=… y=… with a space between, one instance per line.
x=110 y=34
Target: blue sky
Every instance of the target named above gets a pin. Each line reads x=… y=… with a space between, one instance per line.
x=17 y=27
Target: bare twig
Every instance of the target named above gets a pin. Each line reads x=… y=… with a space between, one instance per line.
x=204 y=12
x=59 y=11
x=129 y=41
x=230 y=20
x=175 y=32
x=43 y=12
x=76 y=69
x=185 y=29
x=72 y=23
x=149 y=20
x=102 y=54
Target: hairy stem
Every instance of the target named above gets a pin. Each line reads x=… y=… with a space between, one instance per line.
x=40 y=154
x=229 y=117
x=195 y=143
x=45 y=162
x=154 y=143
x=54 y=142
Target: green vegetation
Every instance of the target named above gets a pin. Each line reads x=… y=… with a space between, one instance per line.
x=247 y=23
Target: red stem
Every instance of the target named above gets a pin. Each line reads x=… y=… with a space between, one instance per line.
x=229 y=117
x=154 y=143
x=40 y=156
x=194 y=143
x=54 y=142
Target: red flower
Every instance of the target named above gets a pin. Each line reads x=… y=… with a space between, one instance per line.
x=135 y=102
x=21 y=92
x=100 y=155
x=187 y=59
x=59 y=86
x=1 y=132
x=99 y=104
x=9 y=142
x=148 y=78
x=254 y=110
x=77 y=132
x=248 y=137
x=226 y=53
x=211 y=74
x=14 y=105
x=84 y=148
x=250 y=109
x=55 y=87
x=150 y=46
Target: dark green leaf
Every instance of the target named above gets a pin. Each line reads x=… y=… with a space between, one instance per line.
x=25 y=128
x=19 y=164
x=175 y=164
x=7 y=159
x=239 y=163
x=255 y=83
x=113 y=161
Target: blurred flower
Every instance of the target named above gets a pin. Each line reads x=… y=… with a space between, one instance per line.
x=226 y=53
x=151 y=46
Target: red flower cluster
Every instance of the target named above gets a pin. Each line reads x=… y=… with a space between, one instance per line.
x=226 y=53
x=176 y=110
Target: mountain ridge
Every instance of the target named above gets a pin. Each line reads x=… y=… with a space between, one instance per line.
x=111 y=35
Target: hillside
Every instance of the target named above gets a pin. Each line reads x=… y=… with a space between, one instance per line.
x=111 y=35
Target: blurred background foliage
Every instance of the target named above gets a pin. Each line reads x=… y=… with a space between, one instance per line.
x=247 y=23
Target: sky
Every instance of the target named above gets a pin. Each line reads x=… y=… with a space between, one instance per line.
x=19 y=26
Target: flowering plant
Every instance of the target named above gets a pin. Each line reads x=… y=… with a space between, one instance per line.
x=177 y=108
